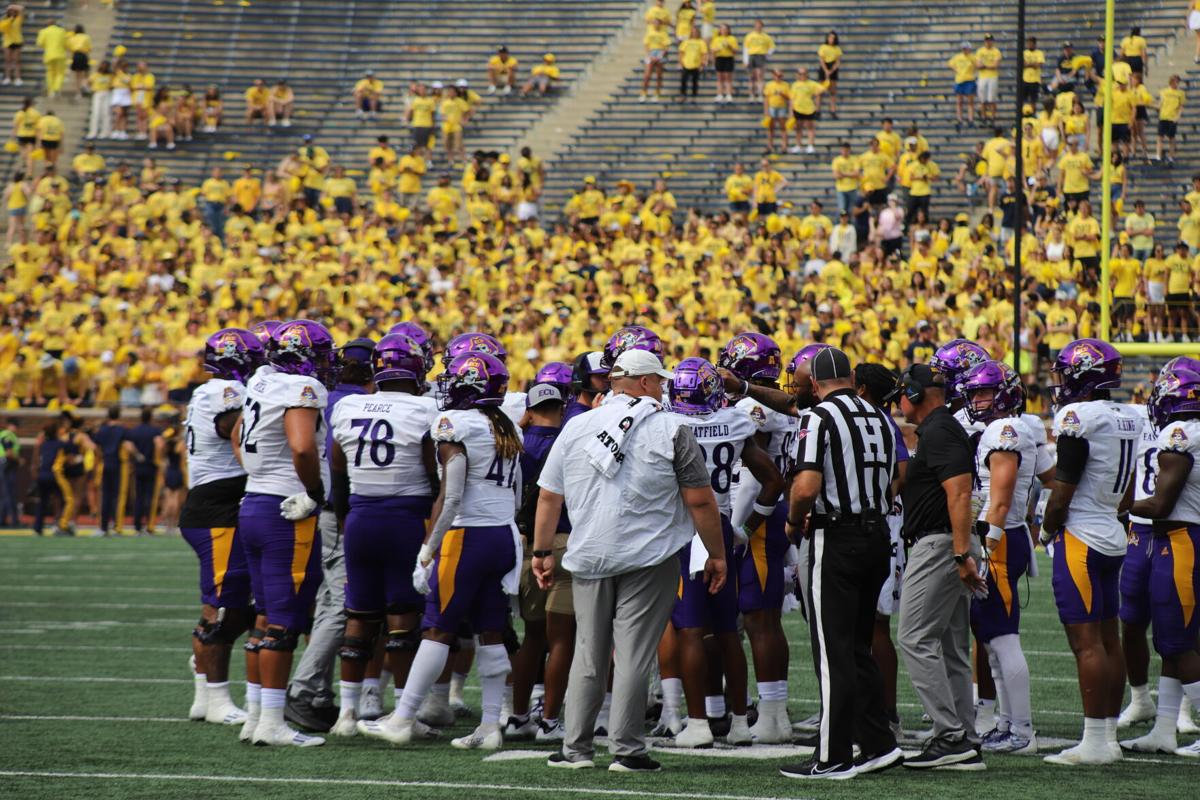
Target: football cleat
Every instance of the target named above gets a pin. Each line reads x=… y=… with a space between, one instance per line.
x=435 y=711
x=1155 y=741
x=252 y=715
x=1082 y=756
x=485 y=737
x=1137 y=711
x=697 y=735
x=370 y=705
x=283 y=735
x=226 y=714
x=517 y=728
x=739 y=733
x=551 y=731
x=346 y=725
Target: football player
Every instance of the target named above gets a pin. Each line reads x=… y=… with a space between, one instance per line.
x=1174 y=506
x=383 y=472
x=724 y=434
x=1096 y=443
x=1005 y=462
x=470 y=560
x=589 y=380
x=475 y=342
x=756 y=358
x=281 y=440
x=209 y=518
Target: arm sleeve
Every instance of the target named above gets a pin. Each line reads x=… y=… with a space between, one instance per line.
x=690 y=469
x=454 y=478
x=1072 y=457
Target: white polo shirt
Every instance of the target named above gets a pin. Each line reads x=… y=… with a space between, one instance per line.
x=637 y=518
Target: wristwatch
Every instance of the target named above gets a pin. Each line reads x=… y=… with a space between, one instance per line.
x=542 y=553
x=961 y=558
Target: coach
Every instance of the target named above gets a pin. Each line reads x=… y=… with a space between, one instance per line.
x=635 y=483
x=845 y=464
x=935 y=627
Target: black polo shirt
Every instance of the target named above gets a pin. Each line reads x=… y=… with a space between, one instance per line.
x=943 y=451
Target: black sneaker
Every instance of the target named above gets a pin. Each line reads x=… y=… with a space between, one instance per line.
x=941 y=753
x=818 y=770
x=634 y=764
x=972 y=764
x=878 y=762
x=720 y=725
x=303 y=714
x=562 y=762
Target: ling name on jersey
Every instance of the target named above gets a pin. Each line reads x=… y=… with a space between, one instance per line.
x=721 y=436
x=1112 y=431
x=1009 y=434
x=1183 y=437
x=266 y=453
x=380 y=435
x=209 y=457
x=490 y=495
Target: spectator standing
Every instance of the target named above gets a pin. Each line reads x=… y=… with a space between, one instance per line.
x=368 y=96
x=768 y=183
x=16 y=201
x=829 y=54
x=1193 y=23
x=149 y=447
x=940 y=575
x=693 y=57
x=214 y=108
x=1170 y=107
x=10 y=447
x=656 y=43
x=314 y=163
x=454 y=112
x=1140 y=226
x=1032 y=61
x=965 y=86
x=53 y=41
x=1133 y=50
x=987 y=60
x=79 y=44
x=724 y=48
x=122 y=99
x=12 y=38
x=24 y=130
x=412 y=168
x=805 y=96
x=757 y=48
x=502 y=72
x=643 y=477
x=738 y=188
x=776 y=99
x=921 y=176
x=215 y=193
x=49 y=136
x=846 y=175
x=100 y=83
x=142 y=83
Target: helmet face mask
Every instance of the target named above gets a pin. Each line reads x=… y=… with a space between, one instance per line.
x=752 y=357
x=472 y=380
x=696 y=388
x=991 y=390
x=1177 y=391
x=799 y=384
x=1083 y=367
x=233 y=354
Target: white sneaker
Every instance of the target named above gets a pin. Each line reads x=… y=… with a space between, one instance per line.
x=642 y=98
x=396 y=730
x=1184 y=724
x=516 y=729
x=1155 y=741
x=7 y=81
x=199 y=710
x=767 y=729
x=551 y=731
x=668 y=725
x=507 y=90
x=697 y=735
x=18 y=82
x=739 y=732
x=985 y=718
x=287 y=123
x=1079 y=755
x=810 y=150
x=283 y=735
x=370 y=705
x=1189 y=751
x=1137 y=711
x=252 y=714
x=226 y=714
x=485 y=737
x=346 y=725
x=491 y=90
x=170 y=146
x=656 y=99
x=794 y=148
x=436 y=711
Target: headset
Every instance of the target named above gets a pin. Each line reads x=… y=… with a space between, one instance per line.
x=579 y=374
x=913 y=389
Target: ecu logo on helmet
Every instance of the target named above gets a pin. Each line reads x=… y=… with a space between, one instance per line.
x=1086 y=357
x=473 y=373
x=294 y=337
x=227 y=345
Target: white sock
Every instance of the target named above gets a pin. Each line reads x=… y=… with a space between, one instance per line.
x=253 y=693
x=493 y=666
x=1192 y=692
x=1140 y=694
x=273 y=701
x=1014 y=672
x=714 y=705
x=457 y=681
x=1170 y=697
x=370 y=683
x=1110 y=730
x=427 y=665
x=508 y=689
x=218 y=694
x=1003 y=718
x=199 y=684
x=672 y=689
x=351 y=691
x=1094 y=733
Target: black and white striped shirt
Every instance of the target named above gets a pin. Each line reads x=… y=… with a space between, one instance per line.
x=851 y=443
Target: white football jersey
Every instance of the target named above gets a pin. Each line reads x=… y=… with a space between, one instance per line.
x=781 y=428
x=1045 y=453
x=263 y=442
x=380 y=435
x=721 y=436
x=490 y=496
x=969 y=425
x=1112 y=431
x=1008 y=434
x=1184 y=437
x=514 y=406
x=1145 y=469
x=209 y=457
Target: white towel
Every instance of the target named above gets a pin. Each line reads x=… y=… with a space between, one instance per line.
x=619 y=415
x=698 y=556
x=511 y=582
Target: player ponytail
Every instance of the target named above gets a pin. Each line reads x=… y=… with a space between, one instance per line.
x=508 y=444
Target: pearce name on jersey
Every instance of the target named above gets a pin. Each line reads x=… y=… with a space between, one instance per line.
x=210 y=457
x=380 y=435
x=266 y=454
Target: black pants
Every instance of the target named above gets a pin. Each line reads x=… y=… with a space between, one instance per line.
x=847 y=568
x=143 y=497
x=110 y=491
x=47 y=489
x=686 y=75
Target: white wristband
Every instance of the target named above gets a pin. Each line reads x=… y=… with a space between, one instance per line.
x=425 y=555
x=995 y=533
x=765 y=511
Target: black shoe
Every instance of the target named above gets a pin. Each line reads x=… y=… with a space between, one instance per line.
x=972 y=764
x=941 y=753
x=720 y=725
x=634 y=764
x=811 y=770
x=302 y=714
x=878 y=762
x=752 y=714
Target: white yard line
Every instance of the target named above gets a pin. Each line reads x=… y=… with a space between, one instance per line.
x=110 y=606
x=80 y=718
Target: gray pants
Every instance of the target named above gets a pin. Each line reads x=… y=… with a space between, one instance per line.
x=623 y=618
x=935 y=636
x=313 y=679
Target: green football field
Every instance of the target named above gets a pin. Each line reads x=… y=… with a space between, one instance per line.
x=94 y=691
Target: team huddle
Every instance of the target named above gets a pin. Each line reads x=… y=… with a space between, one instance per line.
x=432 y=493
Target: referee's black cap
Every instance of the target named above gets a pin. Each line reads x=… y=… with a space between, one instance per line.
x=831 y=364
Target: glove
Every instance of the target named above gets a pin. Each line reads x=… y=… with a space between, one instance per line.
x=421 y=576
x=297 y=507
x=741 y=536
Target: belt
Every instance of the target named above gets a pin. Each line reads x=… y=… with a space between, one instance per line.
x=839 y=520
x=923 y=534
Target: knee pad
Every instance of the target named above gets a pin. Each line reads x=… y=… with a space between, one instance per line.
x=403 y=641
x=355 y=648
x=511 y=643
x=253 y=646
x=220 y=631
x=280 y=639
x=492 y=661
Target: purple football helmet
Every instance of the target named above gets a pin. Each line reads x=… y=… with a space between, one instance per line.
x=632 y=337
x=1082 y=367
x=953 y=359
x=419 y=335
x=265 y=330
x=304 y=347
x=752 y=356
x=474 y=342
x=555 y=373
x=472 y=380
x=233 y=354
x=696 y=388
x=1007 y=392
x=398 y=357
x=1177 y=391
x=805 y=353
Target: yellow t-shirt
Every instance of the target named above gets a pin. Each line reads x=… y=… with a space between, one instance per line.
x=683 y=22
x=85 y=163
x=1074 y=169
x=802 y=95
x=1080 y=227
x=452 y=111
x=100 y=82
x=422 y=112
x=988 y=59
x=502 y=66
x=215 y=190
x=340 y=187
x=656 y=40
x=658 y=14
x=1179 y=275
x=25 y=121
x=1170 y=104
x=1125 y=272
x=723 y=46
x=759 y=44
x=1032 y=72
x=256 y=96
x=79 y=43
x=50 y=128
x=845 y=164
x=246 y=193
x=737 y=187
x=777 y=94
x=10 y=29
x=1155 y=270
x=1133 y=46
x=829 y=53
x=1189 y=229
x=371 y=86
x=53 y=41
x=692 y=53
x=963 y=66
x=874 y=167
x=920 y=176
x=764 y=185
x=411 y=169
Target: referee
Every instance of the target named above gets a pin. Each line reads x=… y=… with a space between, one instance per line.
x=846 y=460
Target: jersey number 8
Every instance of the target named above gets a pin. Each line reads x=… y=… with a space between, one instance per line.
x=382 y=451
